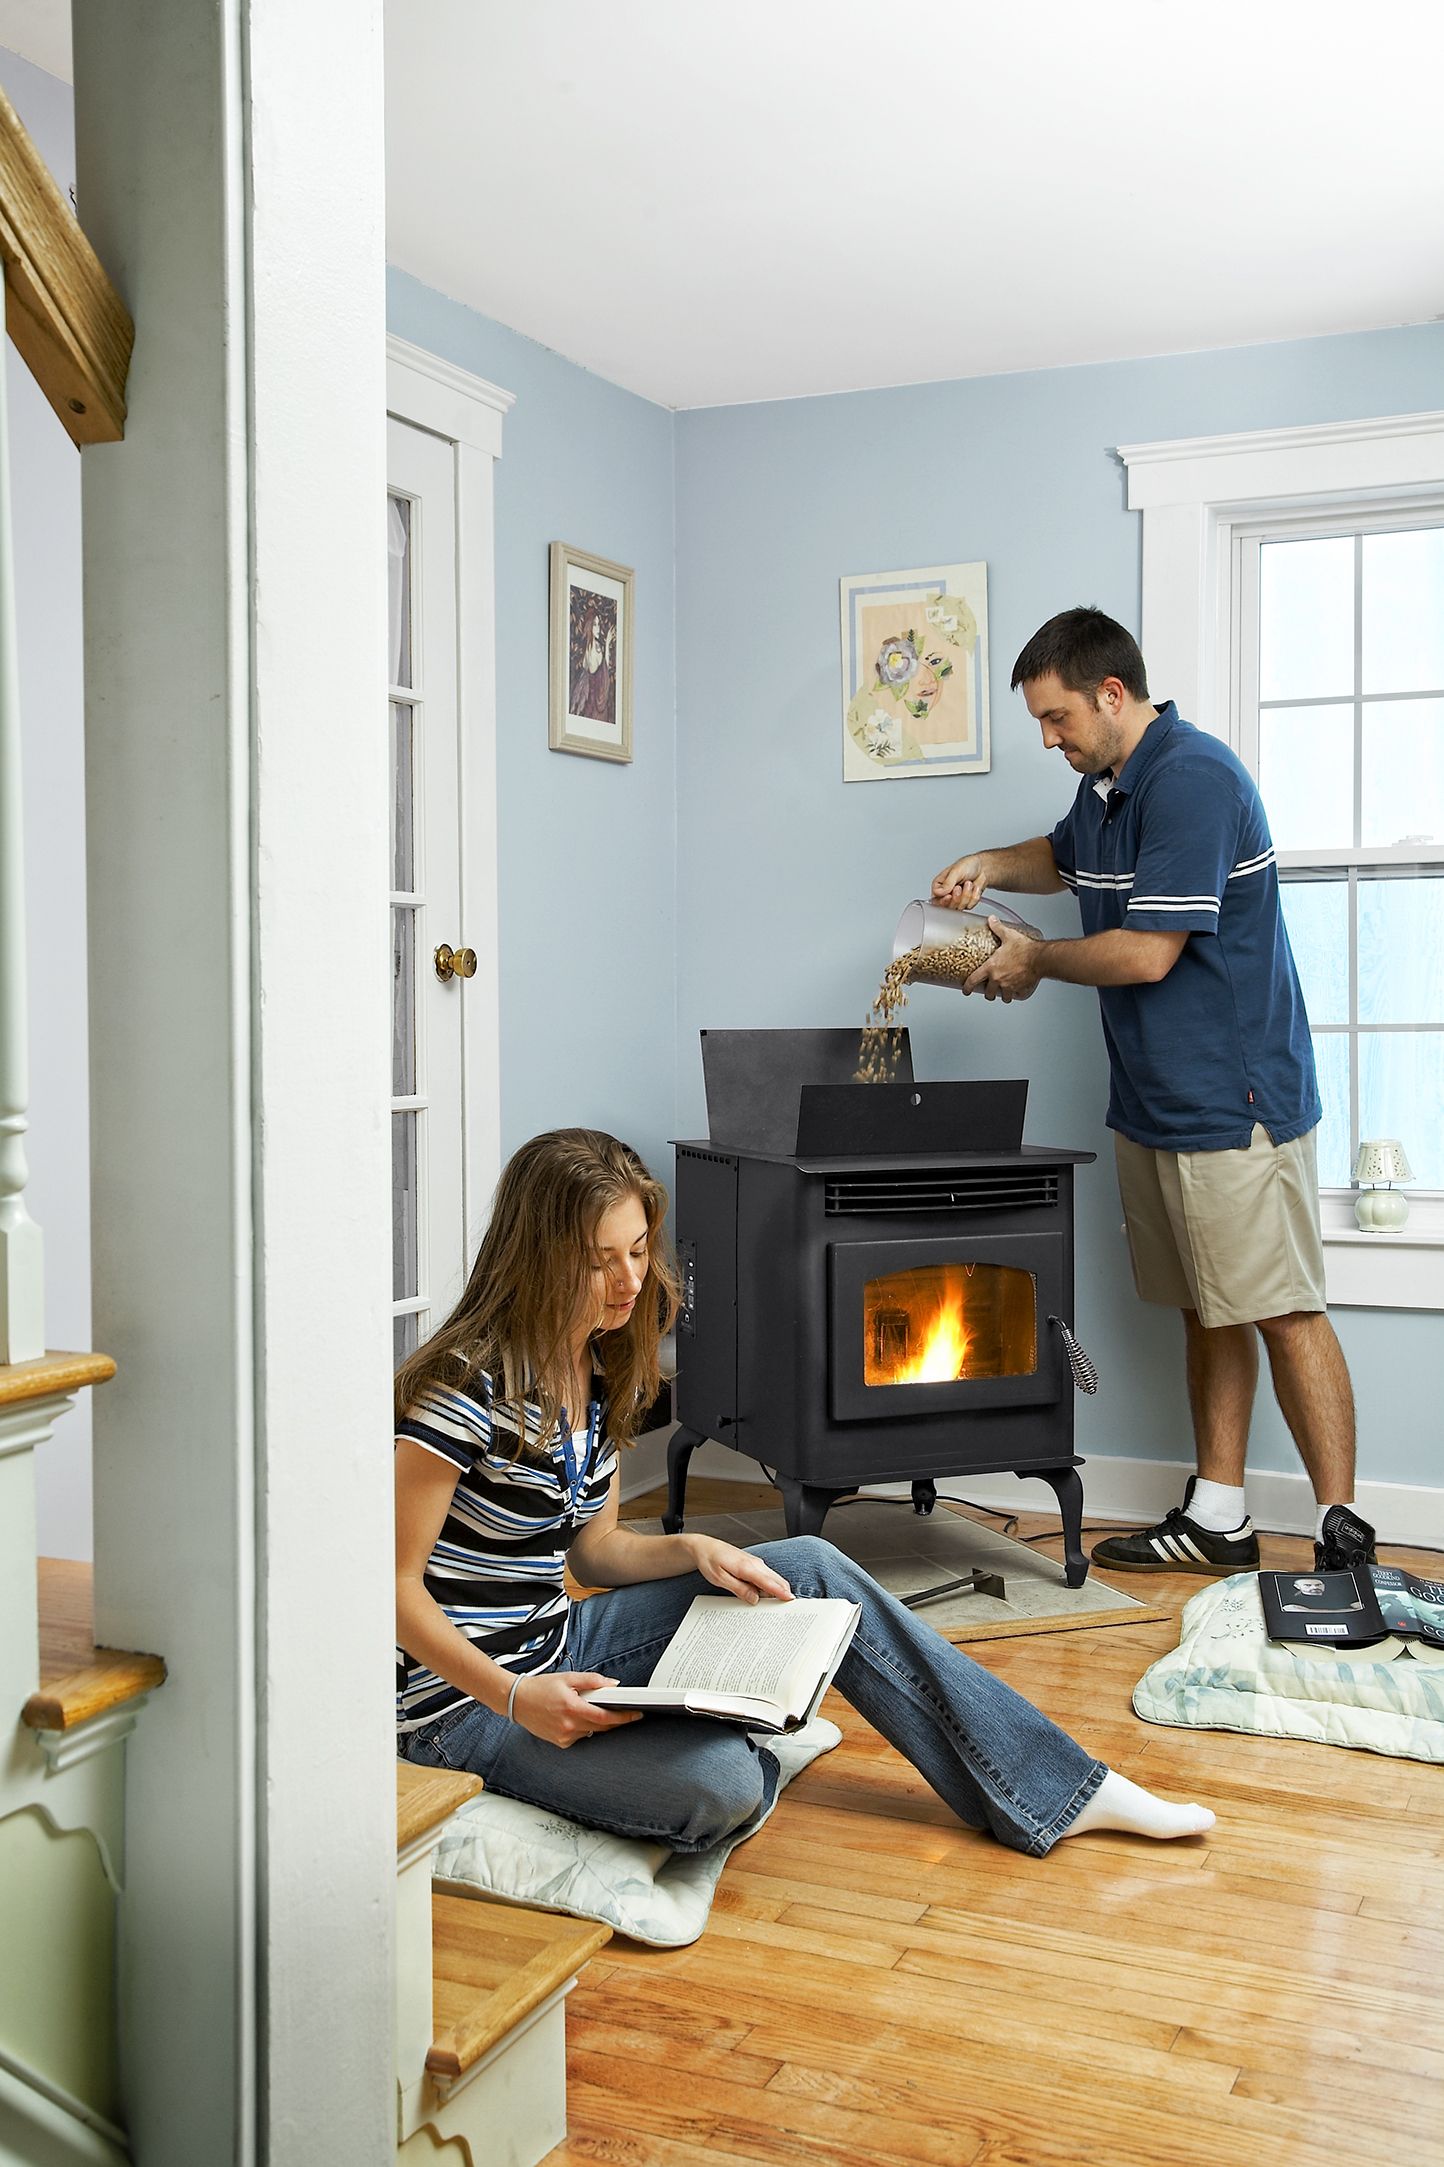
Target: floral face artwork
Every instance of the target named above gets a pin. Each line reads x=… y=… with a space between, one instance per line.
x=916 y=678
x=910 y=672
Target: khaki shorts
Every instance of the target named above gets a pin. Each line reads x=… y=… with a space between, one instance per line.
x=1233 y=1235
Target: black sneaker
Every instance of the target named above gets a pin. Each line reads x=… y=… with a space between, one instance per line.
x=1180 y=1545
x=1346 y=1541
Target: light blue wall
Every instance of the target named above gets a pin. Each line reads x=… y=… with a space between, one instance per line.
x=728 y=876
x=790 y=881
x=587 y=848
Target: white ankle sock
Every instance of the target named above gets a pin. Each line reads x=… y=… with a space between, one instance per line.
x=1218 y=1506
x=1348 y=1505
x=1117 y=1803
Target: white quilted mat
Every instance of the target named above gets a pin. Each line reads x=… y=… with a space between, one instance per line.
x=1227 y=1675
x=521 y=1854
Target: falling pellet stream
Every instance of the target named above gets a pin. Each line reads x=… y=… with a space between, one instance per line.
x=952 y=965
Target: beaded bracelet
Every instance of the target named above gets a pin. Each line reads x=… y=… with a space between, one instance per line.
x=511 y=1696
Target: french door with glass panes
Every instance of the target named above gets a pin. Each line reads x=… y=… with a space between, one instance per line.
x=430 y=961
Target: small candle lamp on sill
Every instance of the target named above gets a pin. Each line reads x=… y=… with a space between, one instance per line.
x=1381 y=1210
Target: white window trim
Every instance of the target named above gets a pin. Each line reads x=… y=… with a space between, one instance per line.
x=1194 y=492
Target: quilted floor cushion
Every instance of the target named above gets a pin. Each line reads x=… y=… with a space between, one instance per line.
x=1226 y=1675
x=521 y=1854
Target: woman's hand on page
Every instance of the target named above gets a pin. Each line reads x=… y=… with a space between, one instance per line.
x=549 y=1704
x=737 y=1572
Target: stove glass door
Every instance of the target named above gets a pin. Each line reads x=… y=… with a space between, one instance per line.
x=945 y=1323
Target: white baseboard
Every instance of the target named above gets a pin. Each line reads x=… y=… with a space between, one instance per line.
x=1130 y=1492
x=646 y=1464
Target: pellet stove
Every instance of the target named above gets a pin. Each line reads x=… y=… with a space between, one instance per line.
x=876 y=1304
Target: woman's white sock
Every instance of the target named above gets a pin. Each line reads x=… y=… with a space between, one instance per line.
x=1117 y=1803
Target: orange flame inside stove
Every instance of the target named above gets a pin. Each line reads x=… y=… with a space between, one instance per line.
x=938 y=1324
x=943 y=1352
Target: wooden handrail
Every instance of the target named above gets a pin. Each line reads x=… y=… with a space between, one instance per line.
x=67 y=320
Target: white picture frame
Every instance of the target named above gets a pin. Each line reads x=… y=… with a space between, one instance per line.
x=593 y=639
x=915 y=673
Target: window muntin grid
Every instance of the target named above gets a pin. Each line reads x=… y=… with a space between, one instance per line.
x=1341 y=704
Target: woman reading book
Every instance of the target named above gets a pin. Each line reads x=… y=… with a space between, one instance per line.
x=510 y=1425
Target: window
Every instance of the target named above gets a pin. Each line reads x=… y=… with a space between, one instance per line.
x=1292 y=604
x=1340 y=678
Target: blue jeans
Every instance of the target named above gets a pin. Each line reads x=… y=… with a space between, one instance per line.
x=686 y=1782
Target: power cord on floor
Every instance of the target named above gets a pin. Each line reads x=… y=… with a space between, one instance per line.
x=1010 y=1519
x=994 y=1512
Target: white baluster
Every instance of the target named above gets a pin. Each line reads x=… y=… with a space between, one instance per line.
x=22 y=1286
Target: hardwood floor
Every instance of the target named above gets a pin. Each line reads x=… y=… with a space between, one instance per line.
x=879 y=1985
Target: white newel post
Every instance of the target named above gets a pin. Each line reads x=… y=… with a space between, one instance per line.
x=22 y=1287
x=231 y=178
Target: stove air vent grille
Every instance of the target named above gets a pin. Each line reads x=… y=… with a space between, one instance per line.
x=908 y=1193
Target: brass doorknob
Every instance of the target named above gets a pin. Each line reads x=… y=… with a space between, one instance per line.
x=455 y=963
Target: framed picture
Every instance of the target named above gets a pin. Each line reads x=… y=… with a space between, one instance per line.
x=592 y=641
x=915 y=673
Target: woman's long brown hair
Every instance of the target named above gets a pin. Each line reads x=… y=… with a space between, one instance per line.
x=533 y=1274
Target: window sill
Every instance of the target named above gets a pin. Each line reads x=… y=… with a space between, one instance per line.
x=1384 y=1271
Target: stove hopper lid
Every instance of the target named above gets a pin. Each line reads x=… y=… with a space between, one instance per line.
x=847 y=1120
x=754 y=1082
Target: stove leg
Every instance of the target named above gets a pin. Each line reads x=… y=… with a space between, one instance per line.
x=804 y=1506
x=1069 y=1485
x=680 y=1448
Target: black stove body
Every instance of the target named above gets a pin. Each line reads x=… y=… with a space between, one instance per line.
x=853 y=1318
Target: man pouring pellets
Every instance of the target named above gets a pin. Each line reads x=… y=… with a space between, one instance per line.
x=1213 y=1099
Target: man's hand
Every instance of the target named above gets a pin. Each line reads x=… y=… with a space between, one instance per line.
x=737 y=1572
x=550 y=1706
x=1013 y=970
x=958 y=886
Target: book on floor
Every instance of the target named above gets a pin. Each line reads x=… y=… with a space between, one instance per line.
x=1413 y=1607
x=1355 y=1609
x=765 y=1665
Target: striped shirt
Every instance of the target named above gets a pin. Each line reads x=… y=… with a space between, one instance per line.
x=496 y=1568
x=1178 y=843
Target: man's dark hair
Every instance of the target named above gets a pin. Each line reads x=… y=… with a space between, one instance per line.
x=1082 y=647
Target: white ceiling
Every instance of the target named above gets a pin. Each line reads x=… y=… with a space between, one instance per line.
x=765 y=198
x=38 y=30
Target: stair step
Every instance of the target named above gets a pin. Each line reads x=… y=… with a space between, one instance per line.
x=492 y=1964
x=425 y=1797
x=51 y=1375
x=77 y=1679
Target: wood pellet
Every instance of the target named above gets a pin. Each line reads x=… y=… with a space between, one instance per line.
x=954 y=964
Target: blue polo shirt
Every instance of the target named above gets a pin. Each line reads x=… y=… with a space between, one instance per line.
x=1179 y=843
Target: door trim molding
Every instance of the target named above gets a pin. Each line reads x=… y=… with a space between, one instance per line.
x=467 y=411
x=435 y=394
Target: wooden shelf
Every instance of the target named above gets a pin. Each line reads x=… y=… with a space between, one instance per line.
x=77 y=1679
x=425 y=1797
x=492 y=1964
x=51 y=1375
